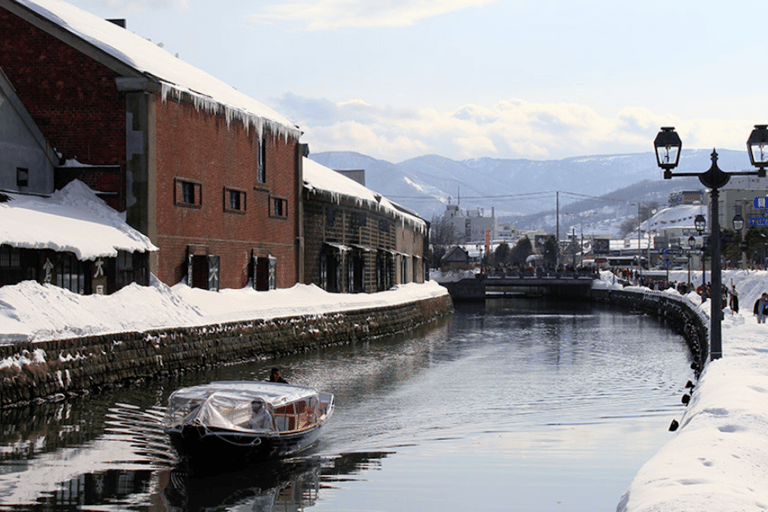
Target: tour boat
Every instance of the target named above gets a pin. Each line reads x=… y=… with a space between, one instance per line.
x=240 y=421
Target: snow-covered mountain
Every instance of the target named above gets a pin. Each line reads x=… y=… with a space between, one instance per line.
x=527 y=191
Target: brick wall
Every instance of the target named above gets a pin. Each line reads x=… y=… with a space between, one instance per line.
x=71 y=97
x=198 y=146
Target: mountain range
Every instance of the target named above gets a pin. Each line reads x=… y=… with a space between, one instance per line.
x=590 y=192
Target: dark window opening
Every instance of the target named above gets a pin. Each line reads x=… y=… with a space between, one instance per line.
x=279 y=207
x=234 y=200
x=261 y=165
x=188 y=193
x=22 y=177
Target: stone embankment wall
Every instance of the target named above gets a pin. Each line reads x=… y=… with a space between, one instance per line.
x=73 y=366
x=676 y=311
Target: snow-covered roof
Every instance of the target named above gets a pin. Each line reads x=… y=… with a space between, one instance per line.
x=174 y=75
x=321 y=178
x=73 y=219
x=681 y=216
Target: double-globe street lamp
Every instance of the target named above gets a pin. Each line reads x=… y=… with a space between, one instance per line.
x=668 y=147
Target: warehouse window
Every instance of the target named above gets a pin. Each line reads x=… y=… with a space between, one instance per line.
x=188 y=193
x=279 y=208
x=261 y=166
x=234 y=200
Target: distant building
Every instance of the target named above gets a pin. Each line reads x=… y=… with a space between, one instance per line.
x=357 y=175
x=471 y=226
x=455 y=259
x=686 y=197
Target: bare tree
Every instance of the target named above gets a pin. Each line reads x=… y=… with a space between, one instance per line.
x=442 y=236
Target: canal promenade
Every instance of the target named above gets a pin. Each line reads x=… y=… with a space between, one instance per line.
x=718 y=457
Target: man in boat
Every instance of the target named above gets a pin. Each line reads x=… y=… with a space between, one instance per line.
x=274 y=376
x=260 y=418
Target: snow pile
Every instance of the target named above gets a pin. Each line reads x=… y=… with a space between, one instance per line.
x=718 y=457
x=30 y=311
x=73 y=220
x=23 y=359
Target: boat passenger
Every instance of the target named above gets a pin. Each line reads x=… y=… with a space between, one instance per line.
x=274 y=376
x=260 y=419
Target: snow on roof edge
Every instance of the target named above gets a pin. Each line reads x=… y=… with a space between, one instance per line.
x=175 y=76
x=322 y=178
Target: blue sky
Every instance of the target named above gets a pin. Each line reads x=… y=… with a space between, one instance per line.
x=543 y=79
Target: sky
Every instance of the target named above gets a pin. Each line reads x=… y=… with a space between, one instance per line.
x=550 y=79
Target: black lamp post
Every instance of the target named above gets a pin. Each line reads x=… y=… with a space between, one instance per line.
x=691 y=245
x=700 y=222
x=738 y=226
x=668 y=147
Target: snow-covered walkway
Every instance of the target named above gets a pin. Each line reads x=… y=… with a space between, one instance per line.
x=718 y=457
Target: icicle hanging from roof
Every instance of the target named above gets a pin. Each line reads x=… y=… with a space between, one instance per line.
x=210 y=105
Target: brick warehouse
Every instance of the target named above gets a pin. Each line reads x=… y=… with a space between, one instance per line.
x=210 y=175
x=357 y=240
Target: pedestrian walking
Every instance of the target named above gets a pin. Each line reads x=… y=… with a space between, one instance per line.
x=760 y=308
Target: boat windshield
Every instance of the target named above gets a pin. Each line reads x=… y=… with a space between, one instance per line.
x=223 y=411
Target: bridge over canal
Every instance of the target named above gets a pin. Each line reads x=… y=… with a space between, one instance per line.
x=487 y=286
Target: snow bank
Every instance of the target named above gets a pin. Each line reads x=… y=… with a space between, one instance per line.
x=718 y=457
x=30 y=311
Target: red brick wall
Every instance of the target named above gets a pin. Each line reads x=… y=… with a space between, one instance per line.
x=200 y=147
x=72 y=98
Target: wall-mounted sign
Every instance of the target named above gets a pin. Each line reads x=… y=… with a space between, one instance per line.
x=761 y=202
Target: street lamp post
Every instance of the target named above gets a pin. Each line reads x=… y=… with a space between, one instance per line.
x=691 y=245
x=701 y=225
x=738 y=225
x=668 y=147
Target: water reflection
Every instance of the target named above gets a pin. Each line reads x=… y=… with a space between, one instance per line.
x=511 y=399
x=287 y=485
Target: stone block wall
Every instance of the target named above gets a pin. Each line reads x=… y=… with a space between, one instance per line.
x=677 y=312
x=73 y=366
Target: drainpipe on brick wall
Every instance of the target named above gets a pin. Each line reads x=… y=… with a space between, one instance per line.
x=302 y=151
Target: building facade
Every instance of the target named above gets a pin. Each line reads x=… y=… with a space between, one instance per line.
x=211 y=176
x=356 y=240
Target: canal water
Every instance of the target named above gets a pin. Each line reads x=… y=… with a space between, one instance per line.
x=514 y=405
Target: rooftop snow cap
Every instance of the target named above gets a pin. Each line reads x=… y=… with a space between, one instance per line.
x=176 y=77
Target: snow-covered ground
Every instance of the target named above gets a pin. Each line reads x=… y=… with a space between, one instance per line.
x=716 y=460
x=30 y=311
x=718 y=457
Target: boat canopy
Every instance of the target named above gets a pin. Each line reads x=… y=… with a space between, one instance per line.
x=256 y=407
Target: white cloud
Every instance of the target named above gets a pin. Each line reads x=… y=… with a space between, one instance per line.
x=333 y=14
x=512 y=128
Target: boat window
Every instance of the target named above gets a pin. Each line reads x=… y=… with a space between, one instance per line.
x=297 y=415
